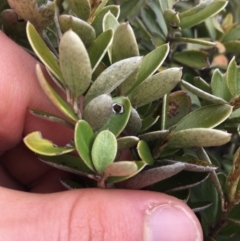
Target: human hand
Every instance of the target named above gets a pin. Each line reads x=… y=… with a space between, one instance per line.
x=87 y=214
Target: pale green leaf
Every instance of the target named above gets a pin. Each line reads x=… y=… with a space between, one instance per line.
x=204 y=117
x=39 y=145
x=99 y=48
x=43 y=52
x=200 y=12
x=84 y=30
x=53 y=96
x=156 y=86
x=104 y=150
x=112 y=77
x=84 y=138
x=198 y=137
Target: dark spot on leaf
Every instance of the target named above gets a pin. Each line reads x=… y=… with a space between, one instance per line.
x=172 y=109
x=117 y=108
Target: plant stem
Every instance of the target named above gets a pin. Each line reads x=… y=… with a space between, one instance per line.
x=164 y=112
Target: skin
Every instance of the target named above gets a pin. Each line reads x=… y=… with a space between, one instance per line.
x=35 y=206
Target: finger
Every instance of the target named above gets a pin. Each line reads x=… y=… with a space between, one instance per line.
x=20 y=90
x=98 y=215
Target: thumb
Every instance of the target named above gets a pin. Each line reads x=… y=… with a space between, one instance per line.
x=94 y=214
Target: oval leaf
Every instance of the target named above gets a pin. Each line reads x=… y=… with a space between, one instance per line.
x=112 y=77
x=127 y=142
x=219 y=85
x=124 y=43
x=84 y=30
x=98 y=20
x=120 y=116
x=200 y=12
x=204 y=118
x=74 y=63
x=202 y=94
x=233 y=80
x=186 y=57
x=179 y=105
x=37 y=144
x=99 y=48
x=150 y=63
x=153 y=175
x=156 y=86
x=68 y=163
x=201 y=137
x=53 y=96
x=134 y=123
x=84 y=138
x=43 y=52
x=145 y=153
x=98 y=111
x=104 y=150
x=132 y=165
x=81 y=8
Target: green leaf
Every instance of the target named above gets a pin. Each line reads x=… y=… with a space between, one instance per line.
x=195 y=41
x=151 y=136
x=101 y=7
x=202 y=84
x=155 y=87
x=198 y=137
x=51 y=117
x=121 y=114
x=53 y=96
x=104 y=150
x=110 y=22
x=134 y=123
x=127 y=142
x=233 y=77
x=124 y=43
x=81 y=8
x=179 y=105
x=84 y=30
x=98 y=111
x=202 y=94
x=84 y=138
x=181 y=181
x=67 y=162
x=172 y=19
x=150 y=63
x=148 y=122
x=99 y=48
x=74 y=63
x=145 y=153
x=219 y=85
x=200 y=12
x=37 y=144
x=112 y=77
x=203 y=117
x=43 y=52
x=97 y=23
x=154 y=175
x=232 y=47
x=186 y=57
x=233 y=34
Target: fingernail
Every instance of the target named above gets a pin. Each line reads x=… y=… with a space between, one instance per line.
x=170 y=222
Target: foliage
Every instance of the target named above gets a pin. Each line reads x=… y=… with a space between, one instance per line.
x=164 y=84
